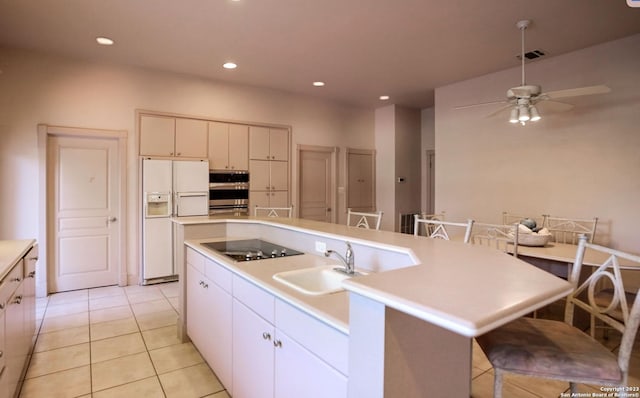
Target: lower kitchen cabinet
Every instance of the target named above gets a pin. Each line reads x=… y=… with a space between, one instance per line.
x=299 y=373
x=253 y=354
x=209 y=322
x=17 y=322
x=269 y=363
x=258 y=345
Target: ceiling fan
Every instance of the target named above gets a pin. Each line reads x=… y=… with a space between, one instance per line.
x=525 y=100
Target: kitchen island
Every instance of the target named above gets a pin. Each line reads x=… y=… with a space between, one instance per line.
x=409 y=324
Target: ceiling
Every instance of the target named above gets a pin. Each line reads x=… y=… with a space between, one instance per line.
x=361 y=48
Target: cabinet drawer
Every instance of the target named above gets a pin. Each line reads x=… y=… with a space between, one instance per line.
x=331 y=345
x=195 y=259
x=10 y=283
x=261 y=302
x=218 y=274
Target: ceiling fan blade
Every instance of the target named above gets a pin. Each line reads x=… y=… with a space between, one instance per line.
x=548 y=106
x=575 y=92
x=480 y=104
x=500 y=110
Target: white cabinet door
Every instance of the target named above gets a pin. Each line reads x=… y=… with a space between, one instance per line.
x=259 y=175
x=157 y=135
x=238 y=147
x=191 y=138
x=209 y=323
x=253 y=354
x=218 y=145
x=299 y=373
x=279 y=144
x=14 y=339
x=259 y=143
x=279 y=174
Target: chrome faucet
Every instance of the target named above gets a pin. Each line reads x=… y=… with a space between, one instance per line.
x=348 y=260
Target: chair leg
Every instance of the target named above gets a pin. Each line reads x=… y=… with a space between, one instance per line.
x=497 y=383
x=592 y=327
x=573 y=387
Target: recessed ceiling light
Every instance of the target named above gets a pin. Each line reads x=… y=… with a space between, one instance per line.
x=318 y=84
x=384 y=97
x=104 y=41
x=229 y=65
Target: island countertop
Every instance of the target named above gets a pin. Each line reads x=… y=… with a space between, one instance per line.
x=460 y=287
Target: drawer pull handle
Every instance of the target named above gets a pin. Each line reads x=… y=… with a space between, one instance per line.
x=277 y=343
x=18 y=300
x=16 y=279
x=32 y=274
x=266 y=336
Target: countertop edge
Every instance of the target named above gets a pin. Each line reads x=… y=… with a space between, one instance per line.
x=18 y=248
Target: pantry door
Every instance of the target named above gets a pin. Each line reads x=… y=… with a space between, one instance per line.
x=316 y=172
x=85 y=207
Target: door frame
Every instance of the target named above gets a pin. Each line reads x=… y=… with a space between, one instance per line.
x=333 y=150
x=44 y=228
x=429 y=182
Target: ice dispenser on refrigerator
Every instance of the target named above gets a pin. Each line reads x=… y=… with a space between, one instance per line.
x=158 y=204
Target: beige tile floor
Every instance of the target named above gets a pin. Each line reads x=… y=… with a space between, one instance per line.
x=121 y=342
x=115 y=342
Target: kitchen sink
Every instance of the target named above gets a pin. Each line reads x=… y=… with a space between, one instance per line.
x=314 y=281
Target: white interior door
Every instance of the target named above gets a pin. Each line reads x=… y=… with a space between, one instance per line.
x=316 y=184
x=84 y=212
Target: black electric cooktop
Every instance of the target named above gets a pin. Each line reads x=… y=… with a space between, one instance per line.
x=250 y=249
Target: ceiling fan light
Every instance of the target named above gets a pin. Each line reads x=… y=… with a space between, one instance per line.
x=524 y=113
x=513 y=118
x=535 y=116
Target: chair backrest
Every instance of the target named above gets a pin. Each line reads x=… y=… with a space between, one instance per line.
x=437 y=229
x=363 y=219
x=498 y=236
x=584 y=292
x=511 y=218
x=567 y=230
x=260 y=211
x=428 y=228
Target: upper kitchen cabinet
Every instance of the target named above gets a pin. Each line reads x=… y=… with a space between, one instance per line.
x=176 y=137
x=228 y=146
x=268 y=143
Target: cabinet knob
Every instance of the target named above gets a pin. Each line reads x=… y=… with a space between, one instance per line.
x=18 y=300
x=277 y=343
x=16 y=279
x=170 y=153
x=179 y=153
x=2 y=305
x=32 y=274
x=266 y=336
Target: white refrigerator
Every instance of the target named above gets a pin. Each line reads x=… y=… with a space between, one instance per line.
x=170 y=188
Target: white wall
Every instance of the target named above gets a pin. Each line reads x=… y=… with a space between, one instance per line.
x=582 y=163
x=397 y=140
x=38 y=88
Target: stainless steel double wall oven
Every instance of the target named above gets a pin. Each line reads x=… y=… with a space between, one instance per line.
x=228 y=192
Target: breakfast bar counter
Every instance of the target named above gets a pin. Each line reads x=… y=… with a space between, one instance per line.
x=411 y=321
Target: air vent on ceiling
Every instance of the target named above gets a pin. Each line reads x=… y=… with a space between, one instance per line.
x=532 y=54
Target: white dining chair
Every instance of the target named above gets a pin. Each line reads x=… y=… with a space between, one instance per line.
x=511 y=218
x=437 y=229
x=427 y=228
x=261 y=211
x=568 y=230
x=362 y=219
x=558 y=350
x=497 y=236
